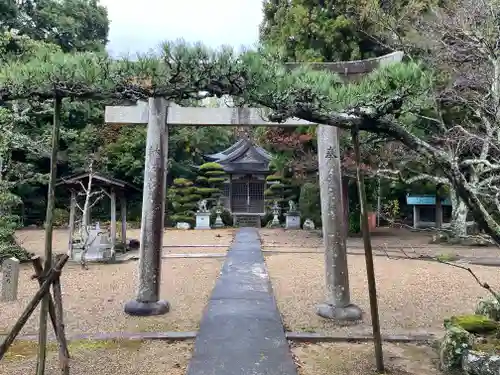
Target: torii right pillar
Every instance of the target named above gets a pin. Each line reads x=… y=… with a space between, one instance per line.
x=338 y=305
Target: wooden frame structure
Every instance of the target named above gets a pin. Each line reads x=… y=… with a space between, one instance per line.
x=110 y=187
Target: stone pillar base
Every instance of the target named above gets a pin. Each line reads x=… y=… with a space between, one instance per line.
x=136 y=308
x=292 y=221
x=349 y=313
x=202 y=220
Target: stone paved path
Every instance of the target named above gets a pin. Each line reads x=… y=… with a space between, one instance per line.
x=241 y=332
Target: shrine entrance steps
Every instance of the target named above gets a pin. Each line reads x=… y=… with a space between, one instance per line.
x=241 y=332
x=247 y=220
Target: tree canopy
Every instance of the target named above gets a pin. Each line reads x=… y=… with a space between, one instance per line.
x=73 y=25
x=310 y=30
x=387 y=102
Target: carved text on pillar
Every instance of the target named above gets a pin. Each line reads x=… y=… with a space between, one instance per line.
x=330 y=153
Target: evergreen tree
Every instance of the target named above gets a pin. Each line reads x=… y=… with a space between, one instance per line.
x=184 y=201
x=318 y=30
x=210 y=182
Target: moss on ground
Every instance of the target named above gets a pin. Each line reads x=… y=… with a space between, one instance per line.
x=447 y=257
x=473 y=323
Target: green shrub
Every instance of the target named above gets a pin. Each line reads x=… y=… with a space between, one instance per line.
x=489 y=307
x=266 y=219
x=14 y=251
x=183 y=219
x=310 y=203
x=225 y=215
x=183 y=200
x=274 y=191
x=8 y=245
x=210 y=182
x=354 y=222
x=274 y=177
x=8 y=224
x=61 y=217
x=451 y=348
x=210 y=166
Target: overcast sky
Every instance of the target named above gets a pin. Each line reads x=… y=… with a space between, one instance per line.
x=137 y=26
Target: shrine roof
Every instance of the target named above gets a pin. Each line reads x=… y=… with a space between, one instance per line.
x=243 y=157
x=242 y=151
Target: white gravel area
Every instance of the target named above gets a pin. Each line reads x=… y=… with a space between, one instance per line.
x=103 y=358
x=412 y=295
x=93 y=299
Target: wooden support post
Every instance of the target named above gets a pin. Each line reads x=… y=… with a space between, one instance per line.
x=49 y=224
x=41 y=293
x=112 y=231
x=63 y=345
x=123 y=212
x=38 y=267
x=55 y=313
x=71 y=225
x=370 y=271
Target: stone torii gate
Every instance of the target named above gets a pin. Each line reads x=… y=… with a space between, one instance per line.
x=159 y=115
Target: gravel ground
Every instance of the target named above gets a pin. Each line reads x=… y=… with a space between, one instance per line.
x=93 y=299
x=313 y=238
x=414 y=244
x=357 y=359
x=103 y=358
x=33 y=239
x=290 y=238
x=413 y=295
x=407 y=252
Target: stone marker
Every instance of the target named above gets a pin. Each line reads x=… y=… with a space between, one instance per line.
x=10 y=279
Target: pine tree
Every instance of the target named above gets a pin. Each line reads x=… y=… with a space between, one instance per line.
x=210 y=182
x=318 y=31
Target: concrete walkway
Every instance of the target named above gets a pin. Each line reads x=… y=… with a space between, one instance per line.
x=241 y=332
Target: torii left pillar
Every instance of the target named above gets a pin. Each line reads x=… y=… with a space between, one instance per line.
x=147 y=301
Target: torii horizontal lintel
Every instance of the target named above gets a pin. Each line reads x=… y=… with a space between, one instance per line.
x=196 y=116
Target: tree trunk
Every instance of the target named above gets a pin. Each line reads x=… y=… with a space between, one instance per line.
x=459 y=212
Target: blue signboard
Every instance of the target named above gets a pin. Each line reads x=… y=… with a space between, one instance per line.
x=425 y=200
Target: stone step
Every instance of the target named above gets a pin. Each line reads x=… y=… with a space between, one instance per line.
x=246 y=220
